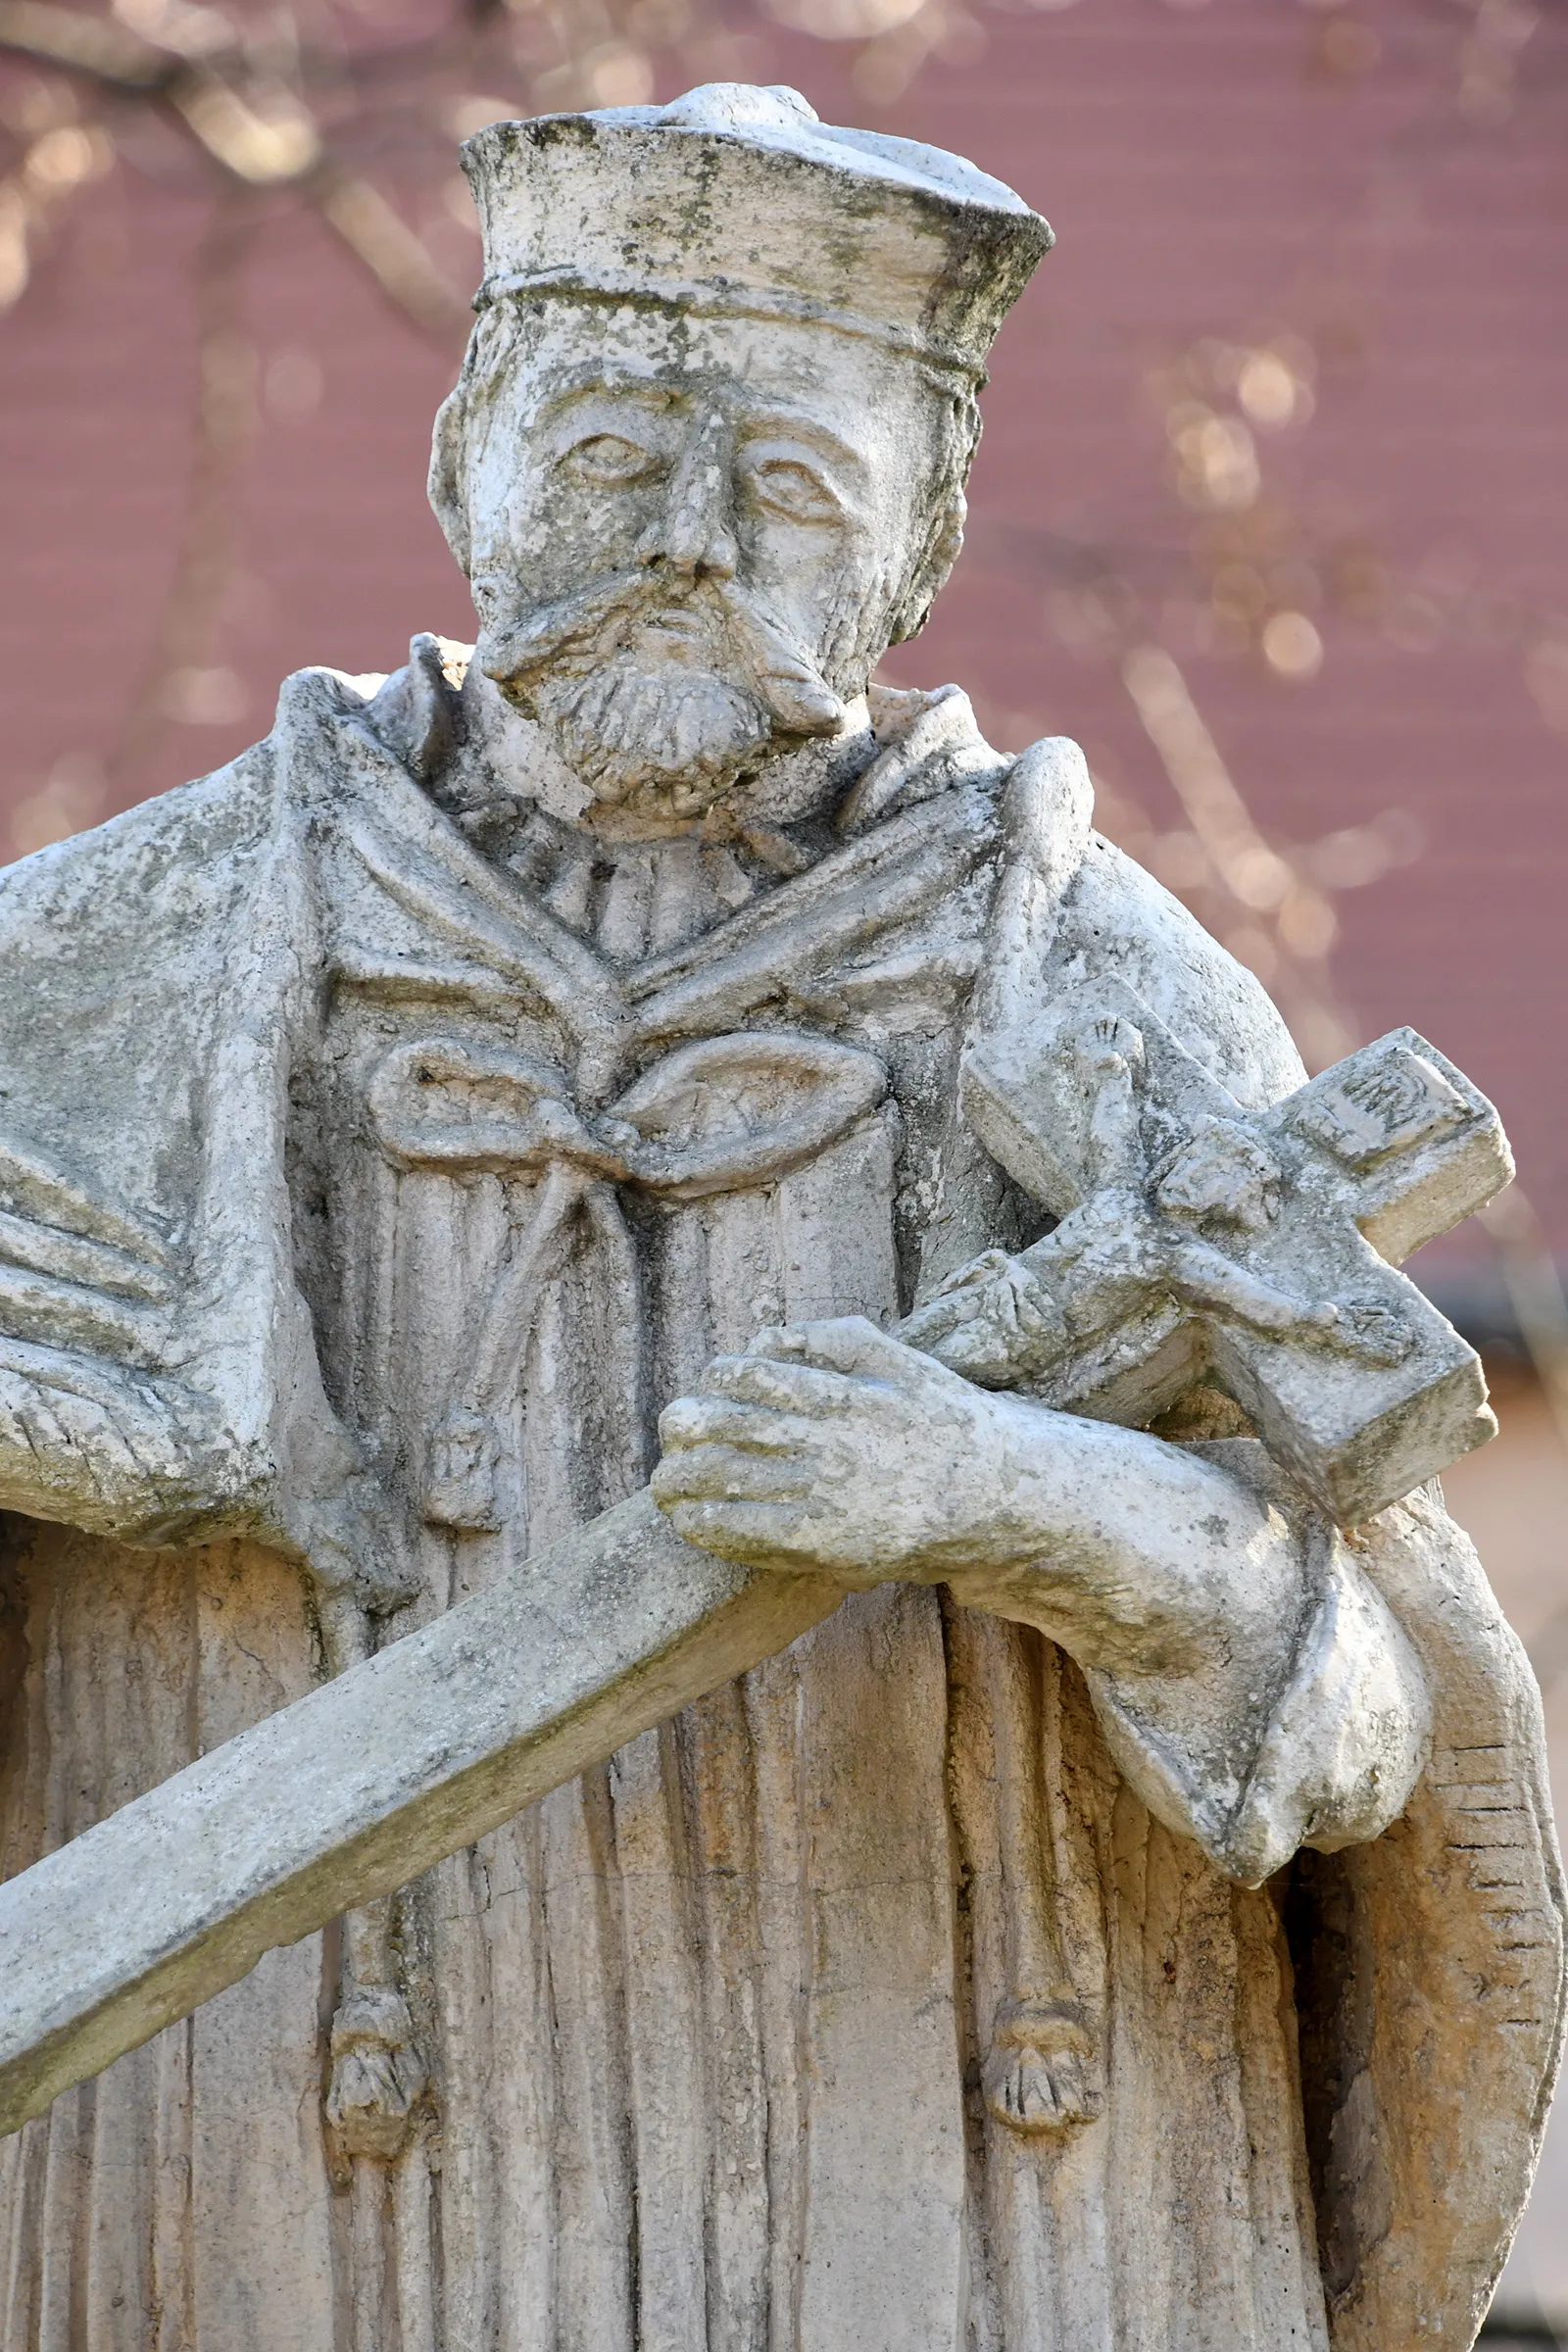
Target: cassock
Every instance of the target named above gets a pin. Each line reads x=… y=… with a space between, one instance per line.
x=364 y=1195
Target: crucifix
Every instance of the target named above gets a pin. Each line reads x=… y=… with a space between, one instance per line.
x=772 y=1749
x=1198 y=1238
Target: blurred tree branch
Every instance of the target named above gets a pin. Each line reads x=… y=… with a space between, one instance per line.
x=249 y=121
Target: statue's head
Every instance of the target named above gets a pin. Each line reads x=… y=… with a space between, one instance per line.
x=706 y=456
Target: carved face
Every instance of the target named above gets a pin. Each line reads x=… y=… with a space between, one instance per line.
x=1222 y=1177
x=689 y=541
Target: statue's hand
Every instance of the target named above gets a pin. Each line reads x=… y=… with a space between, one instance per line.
x=833 y=1446
x=992 y=1320
x=1108 y=1047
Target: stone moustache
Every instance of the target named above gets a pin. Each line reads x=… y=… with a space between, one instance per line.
x=901 y=1751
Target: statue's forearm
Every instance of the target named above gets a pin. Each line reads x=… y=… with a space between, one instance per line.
x=1135 y=1555
x=1252 y=1685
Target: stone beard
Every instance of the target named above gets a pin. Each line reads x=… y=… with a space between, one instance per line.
x=520 y=1033
x=659 y=715
x=680 y=689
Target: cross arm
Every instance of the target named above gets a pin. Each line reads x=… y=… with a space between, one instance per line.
x=358 y=1787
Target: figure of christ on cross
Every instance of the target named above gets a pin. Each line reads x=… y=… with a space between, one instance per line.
x=1216 y=1241
x=1012 y=1316
x=803 y=1848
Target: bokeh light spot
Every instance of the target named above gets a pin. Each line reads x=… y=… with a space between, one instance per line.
x=1292 y=646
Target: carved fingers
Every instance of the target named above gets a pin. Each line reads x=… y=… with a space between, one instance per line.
x=851 y=1345
x=714 y=1418
x=737 y=1470
x=785 y=1383
x=101 y=1456
x=766 y=1468
x=826 y=1444
x=1040 y=2073
x=1105 y=1042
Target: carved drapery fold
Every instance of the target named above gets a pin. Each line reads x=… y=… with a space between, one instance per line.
x=684 y=1131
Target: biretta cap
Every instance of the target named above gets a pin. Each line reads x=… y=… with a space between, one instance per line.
x=736 y=200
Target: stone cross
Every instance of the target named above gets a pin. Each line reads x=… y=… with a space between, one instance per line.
x=1195 y=1238
x=1202 y=1241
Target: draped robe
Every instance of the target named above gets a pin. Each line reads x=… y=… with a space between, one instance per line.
x=701 y=2041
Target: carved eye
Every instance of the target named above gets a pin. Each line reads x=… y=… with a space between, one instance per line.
x=609 y=458
x=794 y=490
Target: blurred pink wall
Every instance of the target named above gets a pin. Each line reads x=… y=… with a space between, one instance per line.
x=1289 y=399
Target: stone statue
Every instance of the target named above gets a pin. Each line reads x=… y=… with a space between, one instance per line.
x=1037 y=1830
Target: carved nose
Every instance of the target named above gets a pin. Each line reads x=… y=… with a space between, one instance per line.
x=693 y=534
x=697 y=542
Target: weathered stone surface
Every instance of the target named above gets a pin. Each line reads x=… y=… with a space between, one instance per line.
x=348 y=1793
x=1131 y=1916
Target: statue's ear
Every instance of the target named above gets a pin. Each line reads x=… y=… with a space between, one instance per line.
x=449 y=466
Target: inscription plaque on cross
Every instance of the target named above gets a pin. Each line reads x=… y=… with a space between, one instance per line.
x=1198 y=1241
